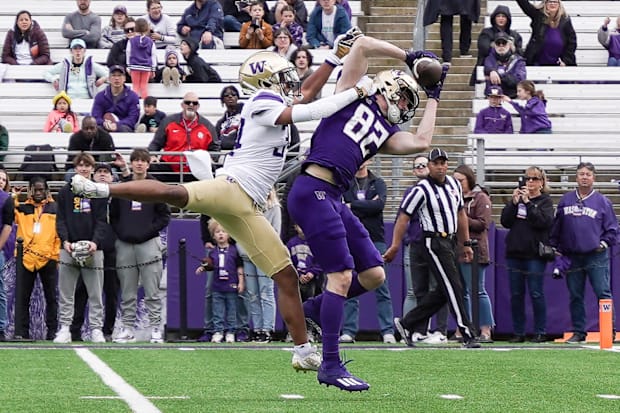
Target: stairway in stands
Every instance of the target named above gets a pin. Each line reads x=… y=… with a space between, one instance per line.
x=392 y=20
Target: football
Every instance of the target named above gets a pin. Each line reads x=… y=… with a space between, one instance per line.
x=111 y=117
x=427 y=71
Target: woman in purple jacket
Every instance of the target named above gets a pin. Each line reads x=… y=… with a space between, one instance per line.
x=26 y=43
x=533 y=114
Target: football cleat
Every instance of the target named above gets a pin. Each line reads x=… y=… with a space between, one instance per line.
x=344 y=42
x=309 y=362
x=89 y=189
x=341 y=378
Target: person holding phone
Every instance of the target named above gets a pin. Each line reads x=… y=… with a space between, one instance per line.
x=528 y=215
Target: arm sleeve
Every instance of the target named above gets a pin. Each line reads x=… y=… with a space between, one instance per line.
x=324 y=107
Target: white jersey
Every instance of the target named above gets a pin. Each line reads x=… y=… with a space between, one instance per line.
x=260 y=150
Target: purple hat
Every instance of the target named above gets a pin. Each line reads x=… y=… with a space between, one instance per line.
x=495 y=90
x=120 y=9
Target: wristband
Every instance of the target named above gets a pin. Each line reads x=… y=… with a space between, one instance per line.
x=467 y=243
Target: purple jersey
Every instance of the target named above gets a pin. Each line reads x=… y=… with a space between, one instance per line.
x=343 y=141
x=226 y=260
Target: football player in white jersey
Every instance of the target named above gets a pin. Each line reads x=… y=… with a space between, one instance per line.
x=235 y=197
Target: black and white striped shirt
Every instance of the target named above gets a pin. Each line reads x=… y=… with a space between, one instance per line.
x=437 y=204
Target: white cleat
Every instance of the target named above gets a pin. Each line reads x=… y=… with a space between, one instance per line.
x=89 y=189
x=309 y=362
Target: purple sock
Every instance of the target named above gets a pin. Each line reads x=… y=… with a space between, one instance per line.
x=312 y=308
x=356 y=288
x=332 y=310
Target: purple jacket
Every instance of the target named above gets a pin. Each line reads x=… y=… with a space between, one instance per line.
x=533 y=115
x=581 y=225
x=493 y=120
x=302 y=257
x=511 y=70
x=127 y=107
x=610 y=41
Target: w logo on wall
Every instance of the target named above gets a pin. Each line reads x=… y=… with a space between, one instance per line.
x=258 y=67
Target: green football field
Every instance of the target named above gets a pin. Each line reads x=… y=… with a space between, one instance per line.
x=237 y=378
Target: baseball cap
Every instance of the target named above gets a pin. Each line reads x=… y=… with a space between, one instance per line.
x=437 y=153
x=117 y=68
x=120 y=9
x=77 y=43
x=505 y=36
x=103 y=166
x=495 y=90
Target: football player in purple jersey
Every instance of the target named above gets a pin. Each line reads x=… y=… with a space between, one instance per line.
x=340 y=144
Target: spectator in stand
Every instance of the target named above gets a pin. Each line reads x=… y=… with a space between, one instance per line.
x=117 y=107
x=4 y=143
x=468 y=10
x=238 y=12
x=584 y=229
x=118 y=55
x=478 y=208
x=283 y=43
x=302 y=59
x=533 y=114
x=82 y=24
x=184 y=131
x=202 y=22
x=344 y=3
x=494 y=119
x=319 y=37
x=228 y=282
x=61 y=118
x=89 y=139
x=7 y=243
x=171 y=73
x=503 y=67
x=553 y=41
x=300 y=13
x=366 y=198
x=36 y=225
x=115 y=30
x=152 y=117
x=259 y=286
x=228 y=125
x=163 y=28
x=139 y=252
x=501 y=19
x=256 y=33
x=26 y=43
x=310 y=274
x=79 y=76
x=141 y=58
x=528 y=215
x=82 y=228
x=198 y=71
x=288 y=22
x=610 y=41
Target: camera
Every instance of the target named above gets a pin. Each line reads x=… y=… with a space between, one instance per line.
x=522 y=182
x=255 y=24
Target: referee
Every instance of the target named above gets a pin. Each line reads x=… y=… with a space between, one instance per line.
x=438 y=200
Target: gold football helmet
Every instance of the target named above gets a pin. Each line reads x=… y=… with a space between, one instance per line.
x=394 y=85
x=268 y=70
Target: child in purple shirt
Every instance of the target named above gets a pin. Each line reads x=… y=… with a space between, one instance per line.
x=228 y=281
x=494 y=119
x=533 y=114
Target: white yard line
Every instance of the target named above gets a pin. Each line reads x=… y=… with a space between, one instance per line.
x=134 y=399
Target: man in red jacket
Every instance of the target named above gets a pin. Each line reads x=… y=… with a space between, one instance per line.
x=184 y=131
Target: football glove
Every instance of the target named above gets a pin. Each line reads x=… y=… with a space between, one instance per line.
x=342 y=45
x=433 y=92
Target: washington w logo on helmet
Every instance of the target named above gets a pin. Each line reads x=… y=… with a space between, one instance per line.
x=267 y=70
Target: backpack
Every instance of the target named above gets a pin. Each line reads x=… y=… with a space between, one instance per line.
x=38 y=164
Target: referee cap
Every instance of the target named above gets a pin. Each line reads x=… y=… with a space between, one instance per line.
x=437 y=153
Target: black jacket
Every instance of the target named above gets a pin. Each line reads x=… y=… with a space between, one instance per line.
x=199 y=71
x=435 y=8
x=525 y=234
x=369 y=210
x=81 y=218
x=539 y=28
x=101 y=142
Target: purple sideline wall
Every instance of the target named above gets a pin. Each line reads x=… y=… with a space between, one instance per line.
x=558 y=316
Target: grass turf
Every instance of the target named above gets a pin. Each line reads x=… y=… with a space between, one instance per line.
x=542 y=380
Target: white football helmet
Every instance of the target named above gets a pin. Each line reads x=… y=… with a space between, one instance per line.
x=394 y=85
x=268 y=70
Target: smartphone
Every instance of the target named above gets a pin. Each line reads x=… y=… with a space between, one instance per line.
x=522 y=182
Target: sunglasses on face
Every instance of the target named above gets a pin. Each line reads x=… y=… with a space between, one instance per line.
x=191 y=102
x=420 y=166
x=501 y=42
x=130 y=29
x=532 y=178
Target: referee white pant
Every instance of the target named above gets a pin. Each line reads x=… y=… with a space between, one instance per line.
x=441 y=259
